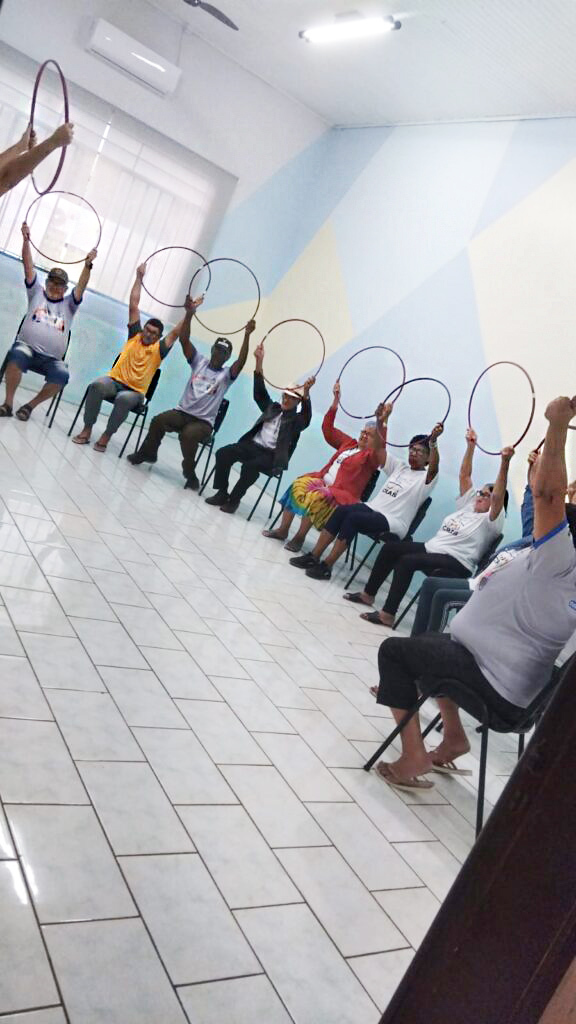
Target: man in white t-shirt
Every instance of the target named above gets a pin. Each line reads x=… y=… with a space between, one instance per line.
x=455 y=550
x=43 y=336
x=194 y=416
x=504 y=642
x=391 y=511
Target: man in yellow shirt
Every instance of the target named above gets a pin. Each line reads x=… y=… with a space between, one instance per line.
x=131 y=376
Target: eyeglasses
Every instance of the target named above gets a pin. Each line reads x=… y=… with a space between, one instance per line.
x=483 y=494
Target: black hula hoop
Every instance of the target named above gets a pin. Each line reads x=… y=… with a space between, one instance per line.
x=503 y=362
x=296 y=320
x=185 y=248
x=382 y=348
x=66 y=120
x=227 y=259
x=413 y=380
x=58 y=192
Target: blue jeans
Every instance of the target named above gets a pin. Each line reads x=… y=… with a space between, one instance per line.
x=438 y=597
x=53 y=370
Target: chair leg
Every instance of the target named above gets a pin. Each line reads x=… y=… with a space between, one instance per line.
x=137 y=416
x=51 y=404
x=78 y=411
x=432 y=725
x=259 y=498
x=359 y=566
x=395 y=732
x=55 y=409
x=208 y=457
x=521 y=744
x=275 y=498
x=207 y=480
x=411 y=602
x=3 y=367
x=482 y=779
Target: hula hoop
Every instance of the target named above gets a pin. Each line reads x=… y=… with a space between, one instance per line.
x=227 y=259
x=503 y=362
x=296 y=320
x=58 y=192
x=66 y=120
x=413 y=380
x=185 y=248
x=382 y=348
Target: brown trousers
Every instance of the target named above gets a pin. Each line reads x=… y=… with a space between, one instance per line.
x=190 y=429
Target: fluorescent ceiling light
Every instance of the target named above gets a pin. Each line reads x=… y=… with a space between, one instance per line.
x=349 y=28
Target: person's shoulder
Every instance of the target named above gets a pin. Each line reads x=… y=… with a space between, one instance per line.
x=554 y=552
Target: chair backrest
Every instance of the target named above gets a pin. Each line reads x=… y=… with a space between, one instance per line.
x=153 y=385
x=220 y=415
x=369 y=489
x=489 y=553
x=418 y=518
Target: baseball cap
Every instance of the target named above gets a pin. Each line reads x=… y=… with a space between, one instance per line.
x=59 y=275
x=223 y=343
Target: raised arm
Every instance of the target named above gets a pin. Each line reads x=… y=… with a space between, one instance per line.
x=550 y=479
x=181 y=332
x=378 y=442
x=85 y=275
x=27 y=258
x=466 y=467
x=304 y=417
x=499 y=490
x=135 y=293
x=16 y=168
x=27 y=141
x=434 y=462
x=334 y=437
x=261 y=396
x=239 y=364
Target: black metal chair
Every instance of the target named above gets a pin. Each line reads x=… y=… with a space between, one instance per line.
x=208 y=444
x=378 y=538
x=470 y=702
x=274 y=475
x=55 y=401
x=140 y=413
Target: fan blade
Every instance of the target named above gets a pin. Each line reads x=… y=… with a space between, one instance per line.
x=217 y=14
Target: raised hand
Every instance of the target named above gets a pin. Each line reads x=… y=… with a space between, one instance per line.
x=250 y=327
x=436 y=431
x=507 y=453
x=307 y=385
x=336 y=391
x=383 y=412
x=91 y=255
x=140 y=271
x=533 y=457
x=560 y=411
x=63 y=135
x=28 y=139
x=190 y=304
x=259 y=352
x=25 y=231
x=471 y=436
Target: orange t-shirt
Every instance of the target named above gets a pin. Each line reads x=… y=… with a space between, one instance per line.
x=137 y=363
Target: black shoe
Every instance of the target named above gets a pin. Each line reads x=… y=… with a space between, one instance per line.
x=304 y=561
x=192 y=484
x=220 y=498
x=229 y=506
x=137 y=457
x=320 y=571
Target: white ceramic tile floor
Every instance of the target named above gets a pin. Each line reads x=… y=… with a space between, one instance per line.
x=183 y=721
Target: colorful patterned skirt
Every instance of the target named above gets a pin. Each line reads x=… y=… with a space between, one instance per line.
x=309 y=496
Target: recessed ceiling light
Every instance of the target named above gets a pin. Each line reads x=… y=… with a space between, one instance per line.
x=345 y=27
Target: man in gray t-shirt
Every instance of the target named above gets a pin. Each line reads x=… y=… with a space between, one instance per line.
x=43 y=335
x=194 y=416
x=504 y=642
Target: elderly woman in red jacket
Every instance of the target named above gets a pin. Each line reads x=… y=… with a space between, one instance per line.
x=341 y=481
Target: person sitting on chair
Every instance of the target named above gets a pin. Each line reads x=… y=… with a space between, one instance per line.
x=342 y=481
x=130 y=377
x=504 y=642
x=193 y=418
x=43 y=336
x=456 y=548
x=21 y=159
x=268 y=445
x=391 y=511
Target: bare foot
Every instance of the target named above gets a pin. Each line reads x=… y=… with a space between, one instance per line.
x=102 y=443
x=83 y=437
x=451 y=748
x=396 y=777
x=408 y=766
x=387 y=619
x=275 y=534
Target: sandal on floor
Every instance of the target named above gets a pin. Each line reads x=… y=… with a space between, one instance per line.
x=24 y=413
x=387 y=772
x=80 y=440
x=354 y=598
x=374 y=617
x=272 y=535
x=100 y=447
x=374 y=691
x=449 y=768
x=5 y=409
x=294 y=545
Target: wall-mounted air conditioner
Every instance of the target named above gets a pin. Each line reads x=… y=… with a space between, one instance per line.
x=130 y=56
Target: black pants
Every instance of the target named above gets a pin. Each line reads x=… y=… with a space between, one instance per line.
x=404 y=660
x=407 y=557
x=190 y=430
x=254 y=460
x=348 y=520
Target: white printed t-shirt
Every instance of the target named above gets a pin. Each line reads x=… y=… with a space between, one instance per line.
x=332 y=473
x=521 y=614
x=47 y=323
x=205 y=390
x=402 y=494
x=467 y=534
x=267 y=436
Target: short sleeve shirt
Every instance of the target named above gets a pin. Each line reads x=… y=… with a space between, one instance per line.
x=467 y=534
x=47 y=324
x=520 y=615
x=402 y=494
x=205 y=390
x=137 y=363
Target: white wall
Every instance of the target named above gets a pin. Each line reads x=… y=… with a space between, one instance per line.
x=219 y=110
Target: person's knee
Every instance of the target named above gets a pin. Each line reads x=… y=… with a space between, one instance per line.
x=58 y=374
x=20 y=356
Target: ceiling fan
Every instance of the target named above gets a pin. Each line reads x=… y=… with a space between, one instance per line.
x=213 y=11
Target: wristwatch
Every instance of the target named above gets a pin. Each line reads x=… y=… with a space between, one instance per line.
x=88 y=265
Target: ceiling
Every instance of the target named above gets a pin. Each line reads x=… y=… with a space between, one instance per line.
x=452 y=59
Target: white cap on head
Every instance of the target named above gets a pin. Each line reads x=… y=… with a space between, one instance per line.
x=294 y=392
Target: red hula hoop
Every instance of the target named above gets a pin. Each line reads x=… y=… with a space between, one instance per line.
x=185 y=248
x=296 y=320
x=503 y=362
x=66 y=119
x=413 y=380
x=227 y=259
x=58 y=192
x=369 y=348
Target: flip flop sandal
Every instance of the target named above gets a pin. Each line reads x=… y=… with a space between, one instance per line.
x=80 y=440
x=354 y=598
x=293 y=546
x=5 y=409
x=449 y=768
x=24 y=413
x=375 y=619
x=100 y=447
x=271 y=535
x=386 y=772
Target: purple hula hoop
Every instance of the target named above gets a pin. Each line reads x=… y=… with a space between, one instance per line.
x=59 y=192
x=296 y=320
x=227 y=259
x=185 y=248
x=413 y=380
x=66 y=120
x=369 y=348
x=503 y=362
